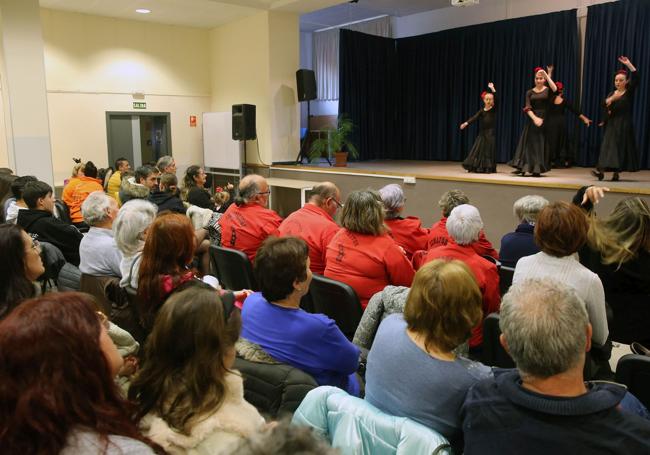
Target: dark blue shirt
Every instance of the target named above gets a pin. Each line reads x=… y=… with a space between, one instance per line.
x=310 y=342
x=516 y=245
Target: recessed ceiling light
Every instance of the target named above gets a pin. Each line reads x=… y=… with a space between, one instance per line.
x=143 y=11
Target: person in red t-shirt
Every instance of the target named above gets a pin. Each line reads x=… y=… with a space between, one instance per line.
x=362 y=254
x=314 y=223
x=247 y=222
x=407 y=232
x=438 y=235
x=464 y=225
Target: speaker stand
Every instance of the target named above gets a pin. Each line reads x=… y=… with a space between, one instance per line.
x=304 y=144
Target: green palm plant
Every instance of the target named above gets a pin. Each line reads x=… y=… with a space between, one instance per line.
x=335 y=140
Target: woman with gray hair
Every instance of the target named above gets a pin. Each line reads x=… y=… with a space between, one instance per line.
x=362 y=254
x=407 y=232
x=98 y=251
x=521 y=242
x=130 y=231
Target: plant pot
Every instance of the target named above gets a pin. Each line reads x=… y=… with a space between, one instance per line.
x=340 y=159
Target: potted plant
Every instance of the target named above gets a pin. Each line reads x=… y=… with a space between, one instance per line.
x=336 y=141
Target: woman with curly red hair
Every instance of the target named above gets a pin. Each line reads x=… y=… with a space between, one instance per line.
x=58 y=395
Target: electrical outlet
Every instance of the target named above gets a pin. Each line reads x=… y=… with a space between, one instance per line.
x=410 y=180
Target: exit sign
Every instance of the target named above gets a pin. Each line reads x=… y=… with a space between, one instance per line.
x=139 y=105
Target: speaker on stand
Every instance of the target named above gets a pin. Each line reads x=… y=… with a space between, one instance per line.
x=243 y=126
x=306 y=83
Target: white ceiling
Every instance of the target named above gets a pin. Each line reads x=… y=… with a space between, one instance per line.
x=365 y=9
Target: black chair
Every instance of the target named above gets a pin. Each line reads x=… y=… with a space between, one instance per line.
x=233 y=268
x=492 y=260
x=494 y=354
x=633 y=370
x=338 y=301
x=96 y=286
x=505 y=278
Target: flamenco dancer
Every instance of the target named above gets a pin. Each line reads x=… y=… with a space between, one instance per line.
x=556 y=132
x=618 y=150
x=532 y=153
x=482 y=156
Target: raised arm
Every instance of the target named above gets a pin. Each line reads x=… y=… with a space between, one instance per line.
x=550 y=82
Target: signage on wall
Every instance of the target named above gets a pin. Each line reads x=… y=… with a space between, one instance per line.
x=139 y=105
x=193 y=121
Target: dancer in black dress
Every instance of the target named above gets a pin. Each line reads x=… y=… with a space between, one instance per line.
x=532 y=153
x=482 y=156
x=618 y=150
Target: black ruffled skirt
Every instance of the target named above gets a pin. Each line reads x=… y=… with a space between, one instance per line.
x=482 y=156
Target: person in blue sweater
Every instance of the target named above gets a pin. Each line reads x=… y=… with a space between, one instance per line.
x=274 y=320
x=515 y=245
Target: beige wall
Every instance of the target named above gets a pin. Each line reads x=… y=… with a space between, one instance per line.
x=93 y=64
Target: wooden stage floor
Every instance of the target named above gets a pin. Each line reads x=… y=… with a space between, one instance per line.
x=572 y=178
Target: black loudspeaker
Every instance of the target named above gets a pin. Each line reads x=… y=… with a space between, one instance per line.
x=243 y=122
x=306 y=82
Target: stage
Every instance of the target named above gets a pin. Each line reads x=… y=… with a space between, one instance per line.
x=493 y=194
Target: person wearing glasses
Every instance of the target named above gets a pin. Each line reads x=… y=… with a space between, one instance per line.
x=314 y=223
x=21 y=265
x=248 y=222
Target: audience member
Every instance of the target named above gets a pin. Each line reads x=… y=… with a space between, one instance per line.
x=314 y=223
x=464 y=225
x=18 y=203
x=58 y=394
x=190 y=399
x=130 y=231
x=521 y=242
x=618 y=250
x=115 y=182
x=194 y=192
x=21 y=265
x=560 y=231
x=285 y=439
x=6 y=180
x=39 y=219
x=362 y=254
x=98 y=251
x=166 y=165
x=248 y=222
x=407 y=232
x=545 y=406
x=78 y=189
x=438 y=235
x=412 y=370
x=144 y=181
x=166 y=198
x=223 y=197
x=274 y=320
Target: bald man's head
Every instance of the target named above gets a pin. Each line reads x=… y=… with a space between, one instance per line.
x=327 y=196
x=253 y=189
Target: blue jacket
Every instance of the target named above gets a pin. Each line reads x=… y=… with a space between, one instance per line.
x=356 y=427
x=516 y=245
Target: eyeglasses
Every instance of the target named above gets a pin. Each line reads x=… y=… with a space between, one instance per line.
x=337 y=203
x=36 y=245
x=103 y=320
x=264 y=192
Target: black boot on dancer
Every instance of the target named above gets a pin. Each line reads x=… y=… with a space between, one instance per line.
x=598 y=174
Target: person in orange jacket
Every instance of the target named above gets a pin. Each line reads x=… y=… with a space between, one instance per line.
x=78 y=189
x=407 y=232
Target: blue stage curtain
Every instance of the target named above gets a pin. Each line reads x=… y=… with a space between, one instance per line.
x=408 y=96
x=615 y=29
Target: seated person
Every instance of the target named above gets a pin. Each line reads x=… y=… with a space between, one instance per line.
x=412 y=370
x=544 y=405
x=98 y=251
x=190 y=399
x=130 y=231
x=560 y=231
x=17 y=188
x=78 y=189
x=248 y=222
x=274 y=320
x=438 y=235
x=39 y=219
x=115 y=182
x=194 y=191
x=314 y=223
x=6 y=197
x=465 y=225
x=362 y=254
x=407 y=232
x=166 y=198
x=515 y=245
x=166 y=165
x=58 y=391
x=21 y=265
x=143 y=182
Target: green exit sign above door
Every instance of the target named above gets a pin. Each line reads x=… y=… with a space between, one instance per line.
x=139 y=105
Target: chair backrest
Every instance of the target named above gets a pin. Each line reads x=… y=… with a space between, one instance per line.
x=338 y=301
x=633 y=370
x=124 y=310
x=492 y=260
x=233 y=268
x=96 y=286
x=505 y=278
x=494 y=354
x=274 y=389
x=62 y=211
x=354 y=426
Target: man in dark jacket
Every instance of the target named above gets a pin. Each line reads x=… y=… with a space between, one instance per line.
x=545 y=406
x=38 y=219
x=167 y=197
